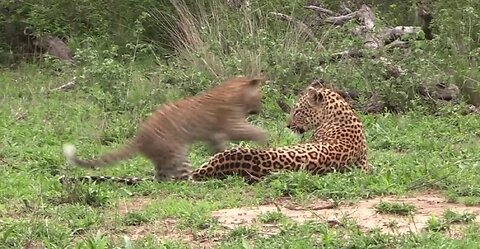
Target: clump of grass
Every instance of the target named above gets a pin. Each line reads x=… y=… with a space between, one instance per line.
x=85 y=194
x=454 y=217
x=242 y=232
x=435 y=224
x=451 y=197
x=395 y=208
x=135 y=219
x=271 y=217
x=197 y=220
x=471 y=201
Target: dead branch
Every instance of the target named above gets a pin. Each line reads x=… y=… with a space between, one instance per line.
x=328 y=16
x=424 y=13
x=374 y=42
x=366 y=17
x=319 y=10
x=346 y=54
x=67 y=86
x=367 y=20
x=373 y=39
x=340 y=20
x=389 y=35
x=344 y=9
x=303 y=28
x=397 y=44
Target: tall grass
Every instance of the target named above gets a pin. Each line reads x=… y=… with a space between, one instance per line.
x=221 y=41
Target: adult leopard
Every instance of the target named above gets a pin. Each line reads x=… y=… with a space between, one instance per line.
x=337 y=144
x=214 y=116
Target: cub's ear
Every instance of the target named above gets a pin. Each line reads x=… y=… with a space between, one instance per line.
x=314 y=97
x=256 y=81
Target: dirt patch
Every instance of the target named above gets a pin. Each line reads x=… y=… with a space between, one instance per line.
x=363 y=212
x=133 y=204
x=164 y=230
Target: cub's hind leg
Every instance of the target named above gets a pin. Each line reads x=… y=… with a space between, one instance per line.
x=159 y=162
x=170 y=163
x=178 y=167
x=178 y=171
x=173 y=170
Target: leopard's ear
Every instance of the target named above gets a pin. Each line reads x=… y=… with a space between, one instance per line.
x=314 y=96
x=256 y=81
x=318 y=83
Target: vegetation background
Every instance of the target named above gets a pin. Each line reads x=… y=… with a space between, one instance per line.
x=127 y=57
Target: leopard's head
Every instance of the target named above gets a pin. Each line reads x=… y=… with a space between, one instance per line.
x=314 y=106
x=250 y=94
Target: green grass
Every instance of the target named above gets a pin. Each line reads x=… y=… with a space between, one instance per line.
x=410 y=152
x=454 y=217
x=271 y=217
x=385 y=207
x=448 y=219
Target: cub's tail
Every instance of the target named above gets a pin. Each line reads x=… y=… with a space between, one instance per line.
x=128 y=151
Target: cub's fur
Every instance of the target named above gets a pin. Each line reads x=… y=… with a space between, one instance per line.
x=215 y=116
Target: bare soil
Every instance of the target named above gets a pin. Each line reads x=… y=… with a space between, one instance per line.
x=362 y=212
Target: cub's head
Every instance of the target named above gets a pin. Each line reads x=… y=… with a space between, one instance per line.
x=246 y=92
x=315 y=105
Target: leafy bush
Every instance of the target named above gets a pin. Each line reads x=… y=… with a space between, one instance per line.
x=195 y=43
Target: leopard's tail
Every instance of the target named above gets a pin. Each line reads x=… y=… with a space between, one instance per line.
x=96 y=179
x=128 y=151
